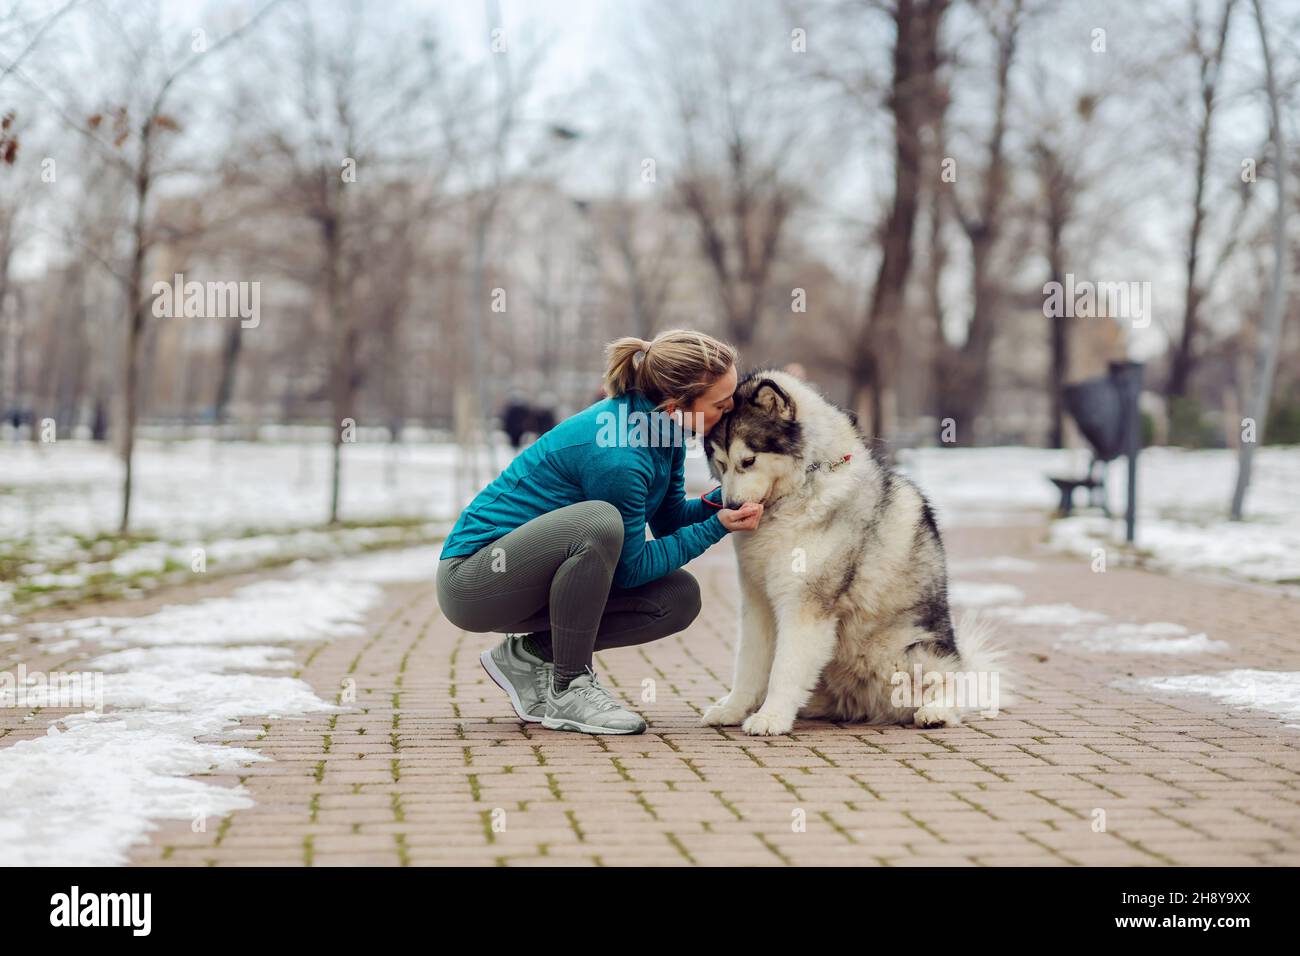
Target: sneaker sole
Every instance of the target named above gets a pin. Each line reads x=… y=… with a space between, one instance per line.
x=499 y=679
x=552 y=723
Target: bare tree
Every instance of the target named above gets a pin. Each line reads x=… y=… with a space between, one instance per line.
x=345 y=154
x=1271 y=339
x=34 y=41
x=13 y=203
x=15 y=197
x=492 y=143
x=1064 y=117
x=1059 y=188
x=134 y=131
x=640 y=245
x=917 y=99
x=962 y=373
x=1209 y=61
x=734 y=146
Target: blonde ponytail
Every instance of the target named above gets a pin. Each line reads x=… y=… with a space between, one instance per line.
x=623 y=359
x=678 y=365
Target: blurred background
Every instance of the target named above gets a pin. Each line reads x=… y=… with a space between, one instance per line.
x=290 y=278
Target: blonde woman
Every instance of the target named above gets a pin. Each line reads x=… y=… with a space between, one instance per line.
x=553 y=552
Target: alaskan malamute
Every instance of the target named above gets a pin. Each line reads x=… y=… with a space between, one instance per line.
x=844 y=585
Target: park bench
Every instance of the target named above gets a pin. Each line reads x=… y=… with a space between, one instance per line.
x=1094 y=481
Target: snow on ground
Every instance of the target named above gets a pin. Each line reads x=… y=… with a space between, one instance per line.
x=1182 y=523
x=1078 y=630
x=145 y=562
x=210 y=493
x=1005 y=565
x=1275 y=692
x=989 y=486
x=1046 y=615
x=1158 y=637
x=982 y=594
x=82 y=795
x=243 y=503
x=1183 y=500
x=1081 y=631
x=191 y=489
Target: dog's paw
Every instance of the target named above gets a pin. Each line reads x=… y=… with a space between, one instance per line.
x=723 y=714
x=765 y=724
x=933 y=716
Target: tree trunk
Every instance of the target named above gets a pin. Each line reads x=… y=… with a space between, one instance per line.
x=136 y=316
x=341 y=364
x=963 y=390
x=1183 y=360
x=1060 y=340
x=1271 y=338
x=915 y=61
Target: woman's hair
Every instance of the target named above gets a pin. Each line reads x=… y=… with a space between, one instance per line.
x=678 y=364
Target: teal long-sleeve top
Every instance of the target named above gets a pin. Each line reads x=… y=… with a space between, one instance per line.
x=643 y=475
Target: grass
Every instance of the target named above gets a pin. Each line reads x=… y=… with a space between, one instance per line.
x=22 y=565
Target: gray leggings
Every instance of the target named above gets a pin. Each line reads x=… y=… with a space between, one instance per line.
x=553 y=574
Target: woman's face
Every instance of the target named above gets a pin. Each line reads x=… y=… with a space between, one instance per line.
x=715 y=402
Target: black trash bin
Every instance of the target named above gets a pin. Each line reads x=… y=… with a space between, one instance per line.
x=1106 y=411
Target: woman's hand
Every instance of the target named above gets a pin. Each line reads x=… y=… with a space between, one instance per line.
x=744 y=518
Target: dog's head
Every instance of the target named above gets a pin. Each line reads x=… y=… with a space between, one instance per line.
x=755 y=449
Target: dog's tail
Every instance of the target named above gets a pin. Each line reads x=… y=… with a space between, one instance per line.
x=981 y=656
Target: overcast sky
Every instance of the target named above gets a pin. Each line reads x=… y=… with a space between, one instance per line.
x=587 y=69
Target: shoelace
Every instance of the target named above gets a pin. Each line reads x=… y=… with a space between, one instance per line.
x=597 y=694
x=542 y=678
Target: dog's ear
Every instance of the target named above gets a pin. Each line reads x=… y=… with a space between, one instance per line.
x=773 y=399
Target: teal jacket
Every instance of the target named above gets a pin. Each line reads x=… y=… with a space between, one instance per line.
x=641 y=475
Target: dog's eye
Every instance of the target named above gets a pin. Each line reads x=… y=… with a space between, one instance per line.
x=748 y=462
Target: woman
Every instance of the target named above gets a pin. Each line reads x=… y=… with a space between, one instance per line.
x=556 y=546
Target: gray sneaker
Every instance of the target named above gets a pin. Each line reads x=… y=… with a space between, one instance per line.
x=524 y=676
x=588 y=707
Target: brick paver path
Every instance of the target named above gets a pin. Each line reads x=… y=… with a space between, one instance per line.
x=431 y=766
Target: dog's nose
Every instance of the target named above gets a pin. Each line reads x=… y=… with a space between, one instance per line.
x=733 y=505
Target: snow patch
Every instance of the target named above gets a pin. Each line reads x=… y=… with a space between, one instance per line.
x=1275 y=692
x=1047 y=615
x=1153 y=638
x=1005 y=565
x=83 y=795
x=982 y=593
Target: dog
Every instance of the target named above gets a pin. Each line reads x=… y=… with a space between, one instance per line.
x=844 y=583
